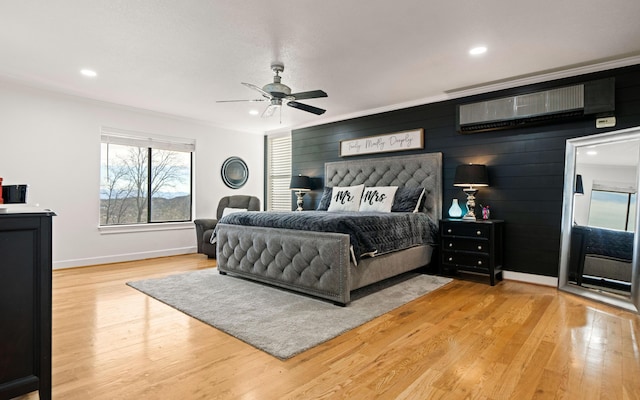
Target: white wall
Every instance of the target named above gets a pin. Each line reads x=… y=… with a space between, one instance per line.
x=51 y=142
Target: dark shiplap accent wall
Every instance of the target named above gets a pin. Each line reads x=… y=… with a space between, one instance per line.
x=526 y=165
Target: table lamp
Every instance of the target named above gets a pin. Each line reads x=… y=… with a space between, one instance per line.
x=300 y=184
x=470 y=176
x=579 y=188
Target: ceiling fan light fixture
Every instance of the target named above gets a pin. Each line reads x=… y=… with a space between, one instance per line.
x=270 y=110
x=277 y=87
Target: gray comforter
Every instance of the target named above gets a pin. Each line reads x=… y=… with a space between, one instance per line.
x=370 y=233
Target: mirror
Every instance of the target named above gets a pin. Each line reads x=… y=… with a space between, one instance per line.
x=234 y=172
x=598 y=251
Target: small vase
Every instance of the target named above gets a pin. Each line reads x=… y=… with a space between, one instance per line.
x=455 y=211
x=486 y=214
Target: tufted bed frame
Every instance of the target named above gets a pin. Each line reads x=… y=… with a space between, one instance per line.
x=319 y=263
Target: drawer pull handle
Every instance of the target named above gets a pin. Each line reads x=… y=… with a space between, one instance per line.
x=478 y=233
x=450 y=258
x=480 y=262
x=449 y=230
x=450 y=244
x=479 y=247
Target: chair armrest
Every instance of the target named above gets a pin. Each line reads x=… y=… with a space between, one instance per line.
x=205 y=223
x=202 y=225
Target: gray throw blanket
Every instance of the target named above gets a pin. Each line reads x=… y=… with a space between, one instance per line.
x=370 y=233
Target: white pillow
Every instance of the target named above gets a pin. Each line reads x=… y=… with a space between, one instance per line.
x=228 y=210
x=346 y=198
x=378 y=198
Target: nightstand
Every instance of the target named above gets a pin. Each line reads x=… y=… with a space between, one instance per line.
x=472 y=246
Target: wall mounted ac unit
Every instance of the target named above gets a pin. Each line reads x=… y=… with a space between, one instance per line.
x=589 y=98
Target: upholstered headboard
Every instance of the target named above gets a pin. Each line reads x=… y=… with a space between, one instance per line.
x=421 y=170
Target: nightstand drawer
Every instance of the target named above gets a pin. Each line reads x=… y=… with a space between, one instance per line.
x=467 y=229
x=477 y=245
x=462 y=260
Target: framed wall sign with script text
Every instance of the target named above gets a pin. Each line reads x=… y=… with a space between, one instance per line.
x=399 y=141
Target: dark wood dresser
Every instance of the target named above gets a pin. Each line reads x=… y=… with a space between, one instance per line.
x=25 y=303
x=473 y=247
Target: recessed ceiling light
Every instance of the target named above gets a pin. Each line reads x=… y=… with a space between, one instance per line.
x=478 y=50
x=254 y=112
x=592 y=152
x=89 y=72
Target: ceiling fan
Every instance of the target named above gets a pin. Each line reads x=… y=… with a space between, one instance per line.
x=277 y=93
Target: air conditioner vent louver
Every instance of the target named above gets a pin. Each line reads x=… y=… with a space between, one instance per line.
x=535 y=108
x=491 y=126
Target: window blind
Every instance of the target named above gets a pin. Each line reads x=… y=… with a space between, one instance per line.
x=278 y=173
x=620 y=187
x=139 y=139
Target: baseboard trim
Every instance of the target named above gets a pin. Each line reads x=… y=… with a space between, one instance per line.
x=530 y=278
x=83 y=262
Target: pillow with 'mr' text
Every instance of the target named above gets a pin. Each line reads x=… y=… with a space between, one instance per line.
x=378 y=198
x=346 y=198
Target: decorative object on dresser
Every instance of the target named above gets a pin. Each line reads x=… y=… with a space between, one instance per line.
x=455 y=211
x=470 y=176
x=300 y=184
x=486 y=212
x=25 y=302
x=472 y=246
x=14 y=194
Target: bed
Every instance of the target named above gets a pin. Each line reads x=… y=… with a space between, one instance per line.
x=322 y=264
x=602 y=257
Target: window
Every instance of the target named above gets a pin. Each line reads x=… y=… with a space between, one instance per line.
x=144 y=180
x=278 y=173
x=613 y=206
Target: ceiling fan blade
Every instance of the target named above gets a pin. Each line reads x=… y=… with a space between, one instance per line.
x=306 y=107
x=258 y=89
x=269 y=111
x=236 y=101
x=313 y=94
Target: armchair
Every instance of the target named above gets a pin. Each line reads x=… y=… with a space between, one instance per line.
x=205 y=226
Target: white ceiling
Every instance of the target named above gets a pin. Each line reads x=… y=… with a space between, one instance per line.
x=625 y=153
x=179 y=57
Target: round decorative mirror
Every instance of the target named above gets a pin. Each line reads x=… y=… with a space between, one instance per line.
x=234 y=172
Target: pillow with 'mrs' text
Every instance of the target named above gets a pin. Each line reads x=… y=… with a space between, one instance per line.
x=378 y=198
x=346 y=198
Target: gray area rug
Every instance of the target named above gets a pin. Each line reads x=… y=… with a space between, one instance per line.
x=277 y=321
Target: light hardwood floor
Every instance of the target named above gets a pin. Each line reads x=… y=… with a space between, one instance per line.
x=464 y=341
